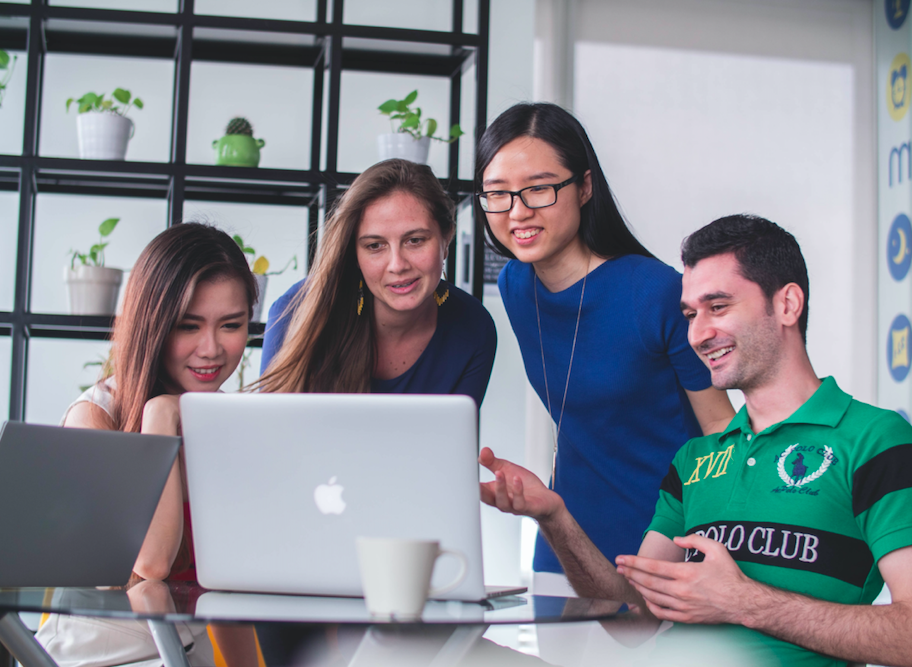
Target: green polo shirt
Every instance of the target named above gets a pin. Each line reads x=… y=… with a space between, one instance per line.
x=808 y=505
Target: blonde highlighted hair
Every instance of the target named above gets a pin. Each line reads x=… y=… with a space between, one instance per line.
x=328 y=347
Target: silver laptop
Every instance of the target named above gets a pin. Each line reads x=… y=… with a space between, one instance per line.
x=281 y=485
x=75 y=504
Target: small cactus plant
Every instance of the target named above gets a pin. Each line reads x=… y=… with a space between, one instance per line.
x=238 y=148
x=239 y=126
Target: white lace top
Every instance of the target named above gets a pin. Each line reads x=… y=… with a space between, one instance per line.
x=100 y=394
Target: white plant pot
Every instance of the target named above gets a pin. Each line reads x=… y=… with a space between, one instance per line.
x=103 y=136
x=92 y=290
x=405 y=146
x=261 y=290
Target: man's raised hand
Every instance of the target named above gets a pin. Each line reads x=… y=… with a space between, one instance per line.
x=516 y=490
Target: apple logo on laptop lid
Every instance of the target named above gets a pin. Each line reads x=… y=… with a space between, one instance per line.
x=329 y=497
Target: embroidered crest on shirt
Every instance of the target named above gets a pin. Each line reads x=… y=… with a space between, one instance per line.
x=796 y=473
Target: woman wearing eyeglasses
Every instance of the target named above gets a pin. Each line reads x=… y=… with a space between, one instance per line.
x=599 y=326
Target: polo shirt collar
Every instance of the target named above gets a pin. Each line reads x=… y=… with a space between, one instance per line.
x=825 y=407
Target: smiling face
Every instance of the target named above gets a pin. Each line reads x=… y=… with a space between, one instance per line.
x=206 y=345
x=400 y=252
x=541 y=234
x=732 y=325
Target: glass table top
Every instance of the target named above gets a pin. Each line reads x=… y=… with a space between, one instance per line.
x=177 y=601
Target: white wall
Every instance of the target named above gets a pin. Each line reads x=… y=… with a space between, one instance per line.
x=6 y=351
x=9 y=230
x=701 y=108
x=502 y=414
x=12 y=117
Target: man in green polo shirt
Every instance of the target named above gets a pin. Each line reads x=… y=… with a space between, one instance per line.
x=790 y=520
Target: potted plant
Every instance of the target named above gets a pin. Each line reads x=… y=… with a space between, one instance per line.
x=92 y=287
x=7 y=69
x=411 y=140
x=260 y=268
x=238 y=148
x=102 y=126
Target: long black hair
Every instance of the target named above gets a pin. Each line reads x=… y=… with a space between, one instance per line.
x=158 y=293
x=602 y=227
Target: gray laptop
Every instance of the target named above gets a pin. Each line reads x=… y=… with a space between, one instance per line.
x=75 y=504
x=281 y=485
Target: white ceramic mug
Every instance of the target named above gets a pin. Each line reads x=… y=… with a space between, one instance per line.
x=396 y=575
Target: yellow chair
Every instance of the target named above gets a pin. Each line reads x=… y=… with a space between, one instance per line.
x=220 y=659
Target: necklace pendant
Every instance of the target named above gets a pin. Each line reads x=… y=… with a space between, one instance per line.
x=560 y=417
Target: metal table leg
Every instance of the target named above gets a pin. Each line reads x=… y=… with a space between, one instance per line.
x=21 y=642
x=169 y=644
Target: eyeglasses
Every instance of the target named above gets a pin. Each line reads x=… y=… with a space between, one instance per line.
x=534 y=196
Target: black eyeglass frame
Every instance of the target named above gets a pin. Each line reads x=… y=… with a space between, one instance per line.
x=518 y=193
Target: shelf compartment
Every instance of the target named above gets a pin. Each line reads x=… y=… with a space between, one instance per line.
x=101 y=184
x=356 y=57
x=278 y=101
x=152 y=179
x=301 y=10
x=88 y=327
x=93 y=327
x=251 y=192
x=129 y=169
x=110 y=38
x=9 y=180
x=13 y=29
x=256 y=47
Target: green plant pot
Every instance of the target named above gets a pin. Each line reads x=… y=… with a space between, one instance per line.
x=237 y=150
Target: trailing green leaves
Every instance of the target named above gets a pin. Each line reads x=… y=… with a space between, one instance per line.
x=260 y=265
x=95 y=255
x=246 y=249
x=7 y=70
x=410 y=119
x=99 y=103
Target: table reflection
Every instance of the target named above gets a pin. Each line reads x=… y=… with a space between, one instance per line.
x=121 y=636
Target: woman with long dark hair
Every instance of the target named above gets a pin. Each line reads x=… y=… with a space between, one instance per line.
x=183 y=327
x=599 y=326
x=374 y=314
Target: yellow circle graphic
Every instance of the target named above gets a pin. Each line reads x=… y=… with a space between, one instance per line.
x=899 y=90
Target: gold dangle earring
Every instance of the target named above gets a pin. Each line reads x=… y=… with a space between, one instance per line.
x=440 y=299
x=360 y=296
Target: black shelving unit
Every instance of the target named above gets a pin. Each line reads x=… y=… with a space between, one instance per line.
x=327 y=45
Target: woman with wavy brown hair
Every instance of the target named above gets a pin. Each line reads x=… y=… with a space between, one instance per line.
x=374 y=314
